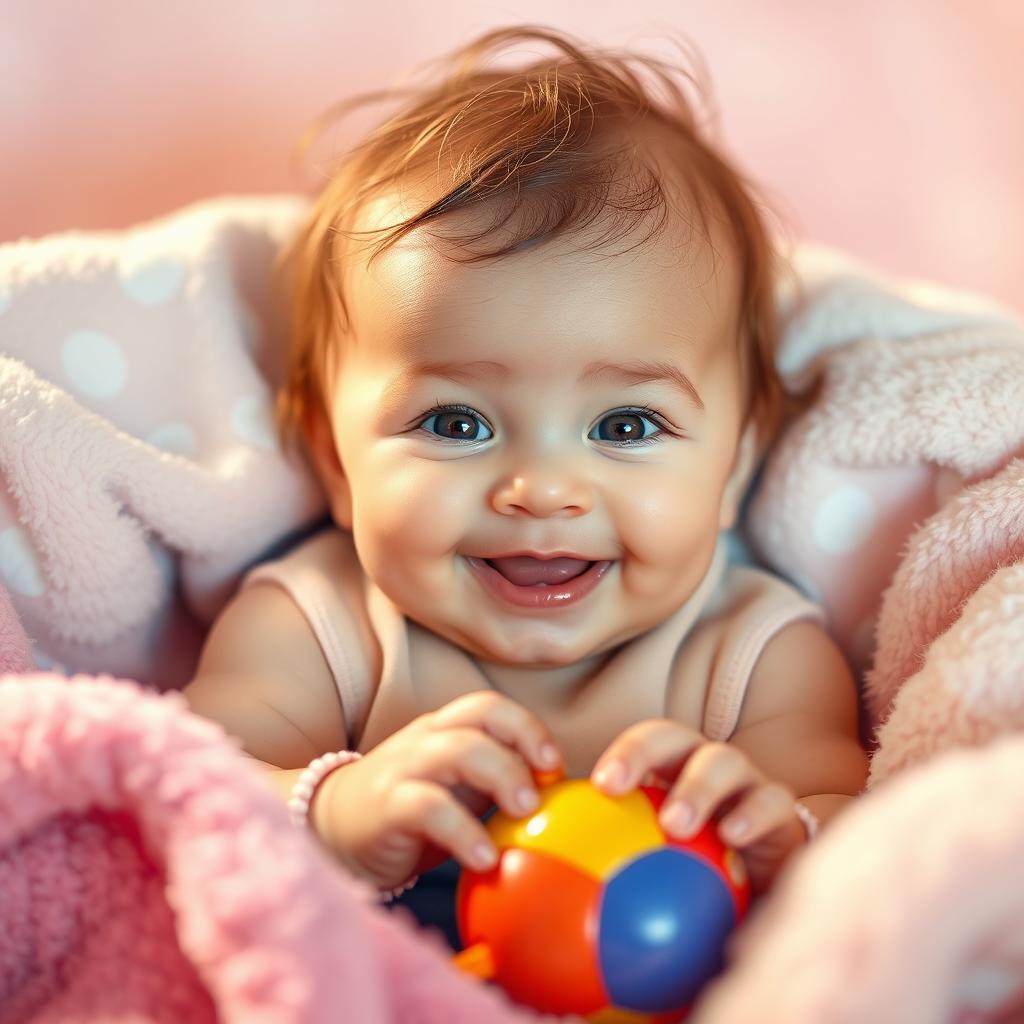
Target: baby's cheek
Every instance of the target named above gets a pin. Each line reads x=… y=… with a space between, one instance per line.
x=414 y=508
x=668 y=540
x=666 y=523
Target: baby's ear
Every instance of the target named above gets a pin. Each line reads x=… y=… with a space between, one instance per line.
x=324 y=454
x=736 y=486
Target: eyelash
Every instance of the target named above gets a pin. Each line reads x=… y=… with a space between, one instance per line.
x=641 y=410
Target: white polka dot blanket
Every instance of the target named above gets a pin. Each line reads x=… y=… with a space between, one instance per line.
x=139 y=469
x=894 y=494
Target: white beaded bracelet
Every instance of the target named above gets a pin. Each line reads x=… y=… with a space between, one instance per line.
x=808 y=818
x=312 y=775
x=305 y=786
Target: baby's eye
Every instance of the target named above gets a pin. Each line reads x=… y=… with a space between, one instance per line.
x=455 y=423
x=626 y=427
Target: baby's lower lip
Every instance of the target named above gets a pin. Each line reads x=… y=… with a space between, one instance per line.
x=557 y=595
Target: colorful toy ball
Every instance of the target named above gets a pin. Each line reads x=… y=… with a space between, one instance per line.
x=593 y=910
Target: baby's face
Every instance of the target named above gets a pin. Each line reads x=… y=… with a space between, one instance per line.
x=548 y=450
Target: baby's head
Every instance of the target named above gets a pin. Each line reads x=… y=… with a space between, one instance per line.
x=533 y=313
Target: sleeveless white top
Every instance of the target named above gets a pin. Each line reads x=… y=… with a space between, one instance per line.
x=323 y=573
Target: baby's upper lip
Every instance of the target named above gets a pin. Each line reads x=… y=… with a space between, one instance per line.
x=543 y=555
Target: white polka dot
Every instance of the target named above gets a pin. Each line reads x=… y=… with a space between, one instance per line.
x=94 y=364
x=252 y=421
x=5 y=299
x=18 y=566
x=155 y=282
x=176 y=438
x=844 y=520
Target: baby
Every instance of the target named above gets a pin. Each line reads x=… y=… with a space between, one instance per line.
x=532 y=362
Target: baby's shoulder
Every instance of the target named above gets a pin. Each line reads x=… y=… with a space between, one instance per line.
x=715 y=659
x=324 y=578
x=322 y=570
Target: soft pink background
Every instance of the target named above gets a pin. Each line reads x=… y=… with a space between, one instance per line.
x=894 y=130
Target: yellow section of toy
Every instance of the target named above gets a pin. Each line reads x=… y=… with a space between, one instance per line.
x=616 y=829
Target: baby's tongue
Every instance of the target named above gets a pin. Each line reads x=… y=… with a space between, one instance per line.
x=525 y=571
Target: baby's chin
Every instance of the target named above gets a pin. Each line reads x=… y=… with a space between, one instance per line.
x=511 y=641
x=541 y=653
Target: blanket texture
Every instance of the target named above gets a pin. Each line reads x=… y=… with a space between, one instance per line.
x=139 y=845
x=139 y=469
x=148 y=874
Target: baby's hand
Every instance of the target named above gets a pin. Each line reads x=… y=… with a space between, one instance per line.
x=415 y=797
x=711 y=780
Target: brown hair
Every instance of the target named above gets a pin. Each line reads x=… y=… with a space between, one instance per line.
x=547 y=143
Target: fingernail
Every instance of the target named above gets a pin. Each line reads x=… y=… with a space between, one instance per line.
x=482 y=856
x=737 y=828
x=610 y=776
x=526 y=799
x=549 y=755
x=677 y=819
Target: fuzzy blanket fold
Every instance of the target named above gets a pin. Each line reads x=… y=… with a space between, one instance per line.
x=148 y=874
x=910 y=908
x=139 y=470
x=894 y=496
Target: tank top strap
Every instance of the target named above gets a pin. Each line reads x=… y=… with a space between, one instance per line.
x=759 y=606
x=312 y=575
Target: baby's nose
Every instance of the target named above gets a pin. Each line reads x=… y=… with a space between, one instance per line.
x=544 y=492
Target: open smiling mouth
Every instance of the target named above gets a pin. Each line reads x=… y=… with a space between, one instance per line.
x=514 y=584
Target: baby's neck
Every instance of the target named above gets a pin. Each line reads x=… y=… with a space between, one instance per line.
x=538 y=688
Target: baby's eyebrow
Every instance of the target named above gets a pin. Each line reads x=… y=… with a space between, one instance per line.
x=455 y=371
x=396 y=389
x=642 y=371
x=637 y=371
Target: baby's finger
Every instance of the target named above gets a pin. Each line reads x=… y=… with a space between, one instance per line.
x=714 y=774
x=506 y=721
x=430 y=811
x=764 y=810
x=472 y=757
x=655 y=744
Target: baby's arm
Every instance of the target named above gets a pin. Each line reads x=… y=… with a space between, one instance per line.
x=800 y=721
x=415 y=796
x=264 y=678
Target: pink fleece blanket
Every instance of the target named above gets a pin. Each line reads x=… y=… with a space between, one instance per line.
x=148 y=874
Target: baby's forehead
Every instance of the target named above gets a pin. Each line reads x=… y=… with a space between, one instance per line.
x=681 y=273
